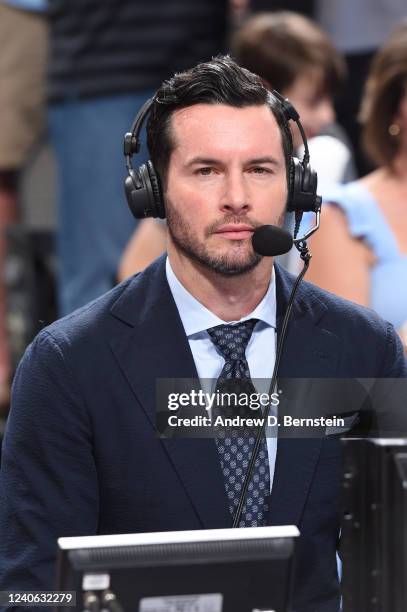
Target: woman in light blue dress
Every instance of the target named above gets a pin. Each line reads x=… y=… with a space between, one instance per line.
x=360 y=251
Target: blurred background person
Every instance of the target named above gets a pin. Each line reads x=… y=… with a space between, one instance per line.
x=106 y=59
x=293 y=55
x=360 y=251
x=23 y=35
x=357 y=28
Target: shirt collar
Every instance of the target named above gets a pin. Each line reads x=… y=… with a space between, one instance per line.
x=196 y=317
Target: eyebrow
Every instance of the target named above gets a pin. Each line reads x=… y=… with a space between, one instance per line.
x=265 y=160
x=209 y=161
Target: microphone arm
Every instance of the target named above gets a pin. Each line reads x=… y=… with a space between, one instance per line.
x=311 y=231
x=305 y=255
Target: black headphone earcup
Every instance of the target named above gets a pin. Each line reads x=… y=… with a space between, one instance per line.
x=133 y=189
x=302 y=194
x=156 y=190
x=143 y=192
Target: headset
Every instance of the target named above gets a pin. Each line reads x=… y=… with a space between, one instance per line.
x=143 y=188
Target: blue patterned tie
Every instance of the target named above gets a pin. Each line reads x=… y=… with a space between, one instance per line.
x=235 y=452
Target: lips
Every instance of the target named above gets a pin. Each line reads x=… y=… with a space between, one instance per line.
x=235 y=231
x=235 y=227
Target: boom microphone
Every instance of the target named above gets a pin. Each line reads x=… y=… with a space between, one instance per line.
x=270 y=240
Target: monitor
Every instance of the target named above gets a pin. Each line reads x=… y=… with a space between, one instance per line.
x=214 y=570
x=374 y=528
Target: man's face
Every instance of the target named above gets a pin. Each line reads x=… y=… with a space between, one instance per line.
x=226 y=177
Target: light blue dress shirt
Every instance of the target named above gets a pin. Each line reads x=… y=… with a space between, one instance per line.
x=260 y=352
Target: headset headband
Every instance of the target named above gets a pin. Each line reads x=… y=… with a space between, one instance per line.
x=143 y=189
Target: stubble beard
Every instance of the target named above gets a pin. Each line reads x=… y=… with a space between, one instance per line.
x=226 y=264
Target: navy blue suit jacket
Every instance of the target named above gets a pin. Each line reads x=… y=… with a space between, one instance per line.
x=81 y=455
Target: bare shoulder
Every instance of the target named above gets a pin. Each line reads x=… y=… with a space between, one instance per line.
x=334 y=234
x=341 y=263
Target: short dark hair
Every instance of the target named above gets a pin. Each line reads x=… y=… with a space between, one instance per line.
x=279 y=46
x=219 y=81
x=385 y=87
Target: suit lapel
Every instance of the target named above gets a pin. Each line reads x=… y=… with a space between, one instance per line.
x=149 y=343
x=309 y=352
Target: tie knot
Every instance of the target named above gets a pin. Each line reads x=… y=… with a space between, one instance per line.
x=232 y=340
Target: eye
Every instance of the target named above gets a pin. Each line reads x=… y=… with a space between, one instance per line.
x=261 y=170
x=205 y=171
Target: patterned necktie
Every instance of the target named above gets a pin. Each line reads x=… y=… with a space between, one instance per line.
x=235 y=452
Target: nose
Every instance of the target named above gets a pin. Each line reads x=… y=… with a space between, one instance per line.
x=235 y=198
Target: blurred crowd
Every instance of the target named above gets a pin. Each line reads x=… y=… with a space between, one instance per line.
x=73 y=76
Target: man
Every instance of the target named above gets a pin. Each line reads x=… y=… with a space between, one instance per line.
x=81 y=453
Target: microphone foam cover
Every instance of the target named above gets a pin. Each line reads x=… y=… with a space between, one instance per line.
x=270 y=240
